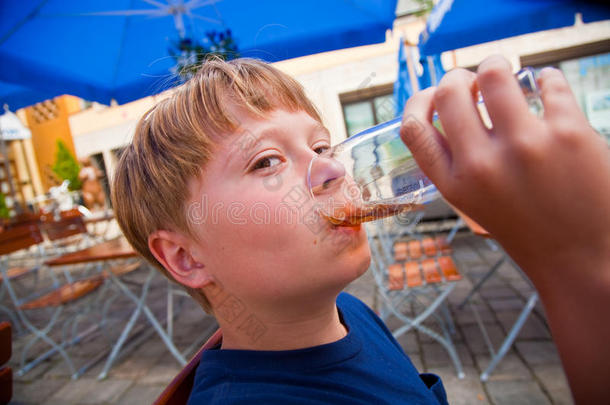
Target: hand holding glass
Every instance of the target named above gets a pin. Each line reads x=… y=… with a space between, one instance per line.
x=373 y=175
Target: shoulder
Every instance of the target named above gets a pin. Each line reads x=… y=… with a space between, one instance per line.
x=348 y=301
x=357 y=315
x=352 y=307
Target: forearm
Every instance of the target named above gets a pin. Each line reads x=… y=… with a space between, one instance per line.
x=576 y=297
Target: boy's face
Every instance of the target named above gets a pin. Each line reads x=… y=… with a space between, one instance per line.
x=260 y=238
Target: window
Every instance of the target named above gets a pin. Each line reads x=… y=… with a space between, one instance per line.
x=587 y=69
x=365 y=108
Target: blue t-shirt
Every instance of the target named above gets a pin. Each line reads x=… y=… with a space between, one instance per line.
x=367 y=366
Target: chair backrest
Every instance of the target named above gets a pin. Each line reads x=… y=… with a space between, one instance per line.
x=417 y=262
x=19 y=237
x=179 y=390
x=69 y=223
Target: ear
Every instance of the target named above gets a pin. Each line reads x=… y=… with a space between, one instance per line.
x=174 y=252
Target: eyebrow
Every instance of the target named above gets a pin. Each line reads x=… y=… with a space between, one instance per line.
x=248 y=140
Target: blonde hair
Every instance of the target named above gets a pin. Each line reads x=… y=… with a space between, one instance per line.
x=175 y=139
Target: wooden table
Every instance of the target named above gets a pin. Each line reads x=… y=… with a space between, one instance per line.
x=112 y=250
x=496 y=357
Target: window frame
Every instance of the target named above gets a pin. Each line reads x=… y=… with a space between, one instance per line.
x=368 y=95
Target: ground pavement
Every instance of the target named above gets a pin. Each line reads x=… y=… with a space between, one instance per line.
x=530 y=373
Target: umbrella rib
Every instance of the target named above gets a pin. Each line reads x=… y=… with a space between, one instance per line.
x=118 y=62
x=22 y=22
x=155 y=3
x=150 y=12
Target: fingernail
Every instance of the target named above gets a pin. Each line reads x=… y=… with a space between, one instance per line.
x=548 y=70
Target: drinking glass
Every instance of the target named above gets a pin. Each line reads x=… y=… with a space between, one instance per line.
x=373 y=174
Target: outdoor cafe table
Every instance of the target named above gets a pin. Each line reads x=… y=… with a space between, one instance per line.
x=112 y=250
x=496 y=357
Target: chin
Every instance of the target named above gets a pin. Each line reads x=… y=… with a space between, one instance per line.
x=359 y=262
x=366 y=262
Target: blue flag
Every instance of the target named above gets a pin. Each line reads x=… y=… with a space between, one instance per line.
x=402 y=85
x=431 y=75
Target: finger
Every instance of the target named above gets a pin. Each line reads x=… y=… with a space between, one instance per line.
x=428 y=146
x=503 y=98
x=557 y=97
x=456 y=105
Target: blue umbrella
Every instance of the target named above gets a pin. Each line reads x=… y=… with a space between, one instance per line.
x=118 y=49
x=16 y=97
x=402 y=86
x=454 y=24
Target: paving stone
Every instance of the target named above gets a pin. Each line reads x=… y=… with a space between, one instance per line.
x=61 y=369
x=392 y=322
x=538 y=353
x=555 y=384
x=516 y=392
x=409 y=343
x=508 y=272
x=162 y=373
x=464 y=354
x=498 y=292
x=466 y=316
x=533 y=328
x=36 y=392
x=90 y=391
x=417 y=362
x=506 y=304
x=474 y=337
x=466 y=256
x=152 y=348
x=133 y=367
x=457 y=296
x=107 y=391
x=141 y=394
x=435 y=355
x=521 y=285
x=511 y=367
x=466 y=391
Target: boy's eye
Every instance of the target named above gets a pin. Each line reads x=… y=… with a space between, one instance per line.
x=321 y=149
x=267 y=161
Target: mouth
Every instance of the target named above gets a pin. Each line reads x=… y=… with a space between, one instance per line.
x=351 y=228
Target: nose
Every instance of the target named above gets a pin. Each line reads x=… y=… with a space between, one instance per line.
x=324 y=175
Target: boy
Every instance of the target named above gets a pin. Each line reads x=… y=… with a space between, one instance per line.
x=234 y=144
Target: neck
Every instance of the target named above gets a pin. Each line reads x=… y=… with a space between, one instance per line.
x=283 y=330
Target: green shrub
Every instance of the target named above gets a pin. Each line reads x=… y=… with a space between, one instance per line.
x=4 y=211
x=66 y=167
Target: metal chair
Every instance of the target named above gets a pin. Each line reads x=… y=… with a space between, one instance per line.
x=55 y=298
x=16 y=266
x=417 y=272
